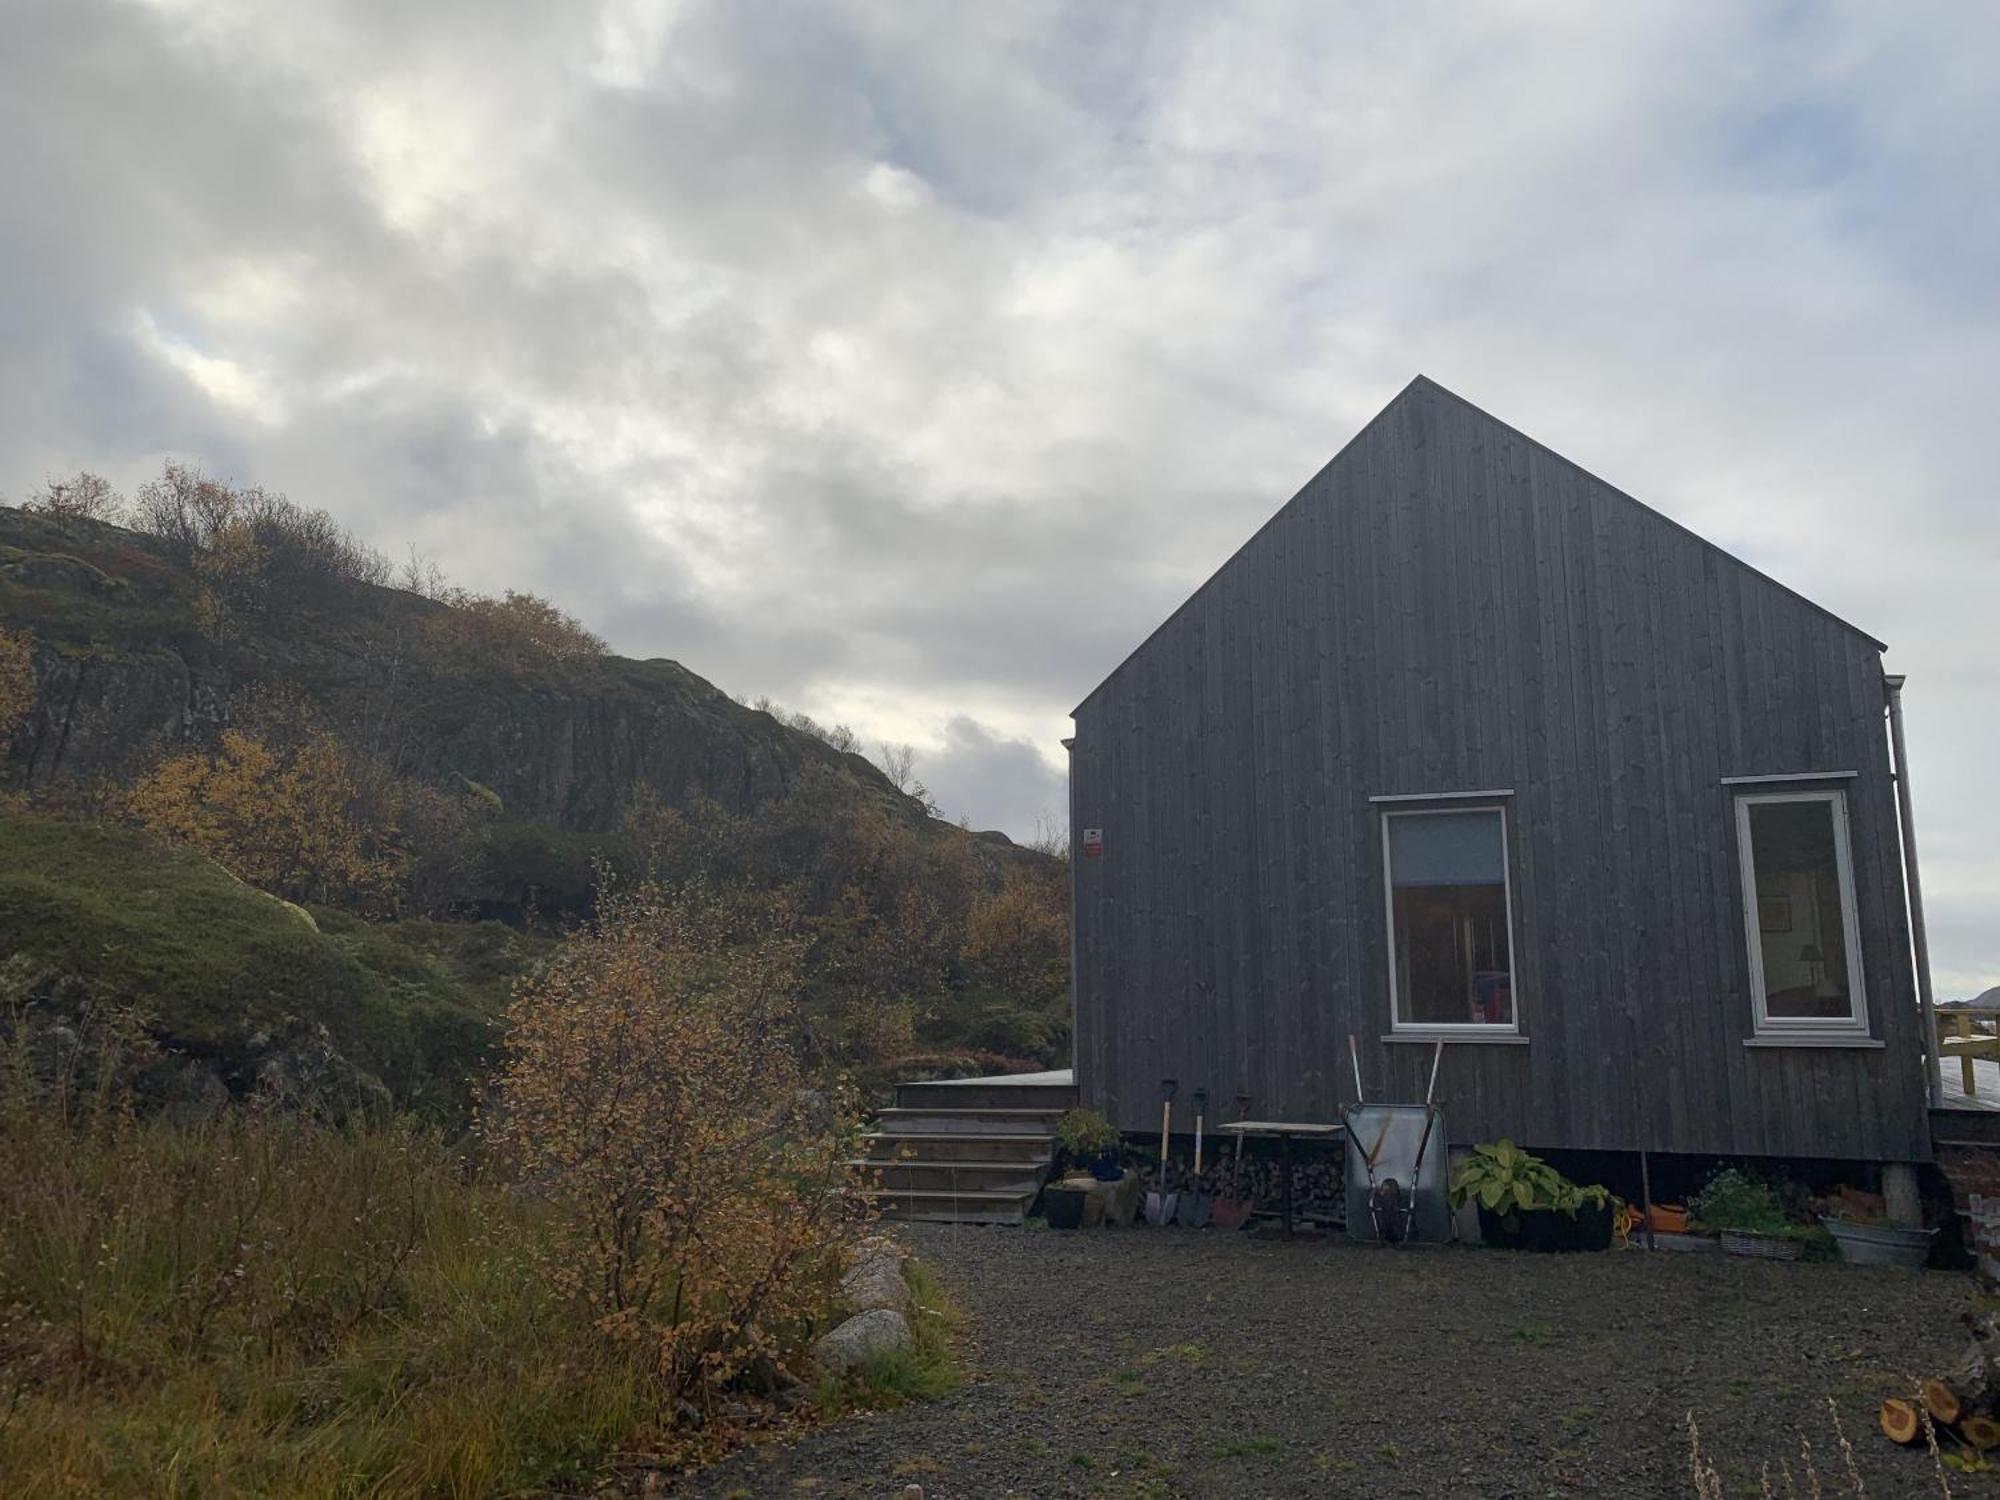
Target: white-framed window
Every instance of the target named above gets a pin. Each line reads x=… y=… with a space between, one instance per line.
x=1798 y=913
x=1451 y=920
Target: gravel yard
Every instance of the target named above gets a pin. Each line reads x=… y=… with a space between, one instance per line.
x=1174 y=1363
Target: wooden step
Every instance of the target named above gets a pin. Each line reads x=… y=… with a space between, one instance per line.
x=941 y=1145
x=937 y=1206
x=981 y=1094
x=930 y=1120
x=945 y=1176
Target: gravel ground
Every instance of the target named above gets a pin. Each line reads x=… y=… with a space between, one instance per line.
x=1166 y=1362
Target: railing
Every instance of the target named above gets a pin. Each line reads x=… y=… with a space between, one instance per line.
x=1969 y=1033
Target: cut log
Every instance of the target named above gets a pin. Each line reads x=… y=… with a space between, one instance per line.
x=1982 y=1433
x=1940 y=1400
x=1899 y=1420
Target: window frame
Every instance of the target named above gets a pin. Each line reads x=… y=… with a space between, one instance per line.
x=1435 y=805
x=1802 y=1028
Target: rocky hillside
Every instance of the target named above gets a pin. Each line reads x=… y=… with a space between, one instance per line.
x=130 y=665
x=303 y=823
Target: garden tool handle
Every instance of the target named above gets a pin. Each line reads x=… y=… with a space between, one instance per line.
x=1354 y=1055
x=1197 y=1143
x=1166 y=1120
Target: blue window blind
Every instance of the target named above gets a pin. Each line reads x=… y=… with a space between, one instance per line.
x=1459 y=848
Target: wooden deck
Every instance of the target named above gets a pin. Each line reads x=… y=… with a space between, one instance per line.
x=1969 y=1047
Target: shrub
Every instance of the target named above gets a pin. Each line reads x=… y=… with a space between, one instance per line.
x=17 y=680
x=1085 y=1132
x=1733 y=1199
x=250 y=549
x=513 y=632
x=302 y=823
x=652 y=1093
x=83 y=497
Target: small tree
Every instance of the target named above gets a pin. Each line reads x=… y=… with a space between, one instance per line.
x=652 y=1089
x=302 y=823
x=84 y=497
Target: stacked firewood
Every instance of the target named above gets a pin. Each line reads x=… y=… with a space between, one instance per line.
x=1318 y=1186
x=1963 y=1403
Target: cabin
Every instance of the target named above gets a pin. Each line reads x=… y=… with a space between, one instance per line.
x=1466 y=744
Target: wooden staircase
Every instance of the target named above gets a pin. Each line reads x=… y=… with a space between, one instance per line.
x=968 y=1150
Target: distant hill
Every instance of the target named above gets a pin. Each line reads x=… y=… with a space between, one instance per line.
x=489 y=765
x=128 y=668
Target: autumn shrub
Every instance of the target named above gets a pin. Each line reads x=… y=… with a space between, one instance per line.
x=82 y=497
x=17 y=680
x=250 y=550
x=652 y=1095
x=513 y=632
x=303 y=822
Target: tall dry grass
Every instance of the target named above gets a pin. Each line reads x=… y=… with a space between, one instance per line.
x=261 y=1304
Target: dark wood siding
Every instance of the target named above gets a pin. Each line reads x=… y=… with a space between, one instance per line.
x=1447 y=607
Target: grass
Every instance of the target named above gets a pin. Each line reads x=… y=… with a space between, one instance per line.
x=107 y=914
x=928 y=1370
x=268 y=1306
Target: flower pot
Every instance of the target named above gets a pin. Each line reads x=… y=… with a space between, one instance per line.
x=1063 y=1206
x=1748 y=1242
x=1881 y=1244
x=1548 y=1229
x=1669 y=1218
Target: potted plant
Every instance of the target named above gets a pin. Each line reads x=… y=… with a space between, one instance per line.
x=1063 y=1202
x=1746 y=1213
x=1526 y=1204
x=1091 y=1142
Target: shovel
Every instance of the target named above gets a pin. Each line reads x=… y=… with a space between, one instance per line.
x=1160 y=1204
x=1232 y=1209
x=1197 y=1201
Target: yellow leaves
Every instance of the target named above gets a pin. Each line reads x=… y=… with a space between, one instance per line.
x=653 y=1092
x=300 y=823
x=17 y=679
x=1018 y=936
x=513 y=631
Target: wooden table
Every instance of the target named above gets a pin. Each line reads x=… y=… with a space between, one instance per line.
x=1285 y=1131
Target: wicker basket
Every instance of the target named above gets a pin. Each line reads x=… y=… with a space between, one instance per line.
x=1759 y=1246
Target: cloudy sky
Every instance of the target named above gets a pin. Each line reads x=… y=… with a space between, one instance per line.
x=907 y=363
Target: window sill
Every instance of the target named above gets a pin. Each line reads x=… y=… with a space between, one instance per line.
x=1811 y=1039
x=1468 y=1034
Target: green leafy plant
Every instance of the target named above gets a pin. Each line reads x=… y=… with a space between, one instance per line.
x=1504 y=1179
x=1084 y=1132
x=1733 y=1199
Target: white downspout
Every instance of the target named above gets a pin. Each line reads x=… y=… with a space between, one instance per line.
x=1914 y=885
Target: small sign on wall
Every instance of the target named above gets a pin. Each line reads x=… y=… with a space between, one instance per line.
x=1093 y=843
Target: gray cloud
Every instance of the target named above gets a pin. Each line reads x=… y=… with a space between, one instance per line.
x=1008 y=780
x=908 y=364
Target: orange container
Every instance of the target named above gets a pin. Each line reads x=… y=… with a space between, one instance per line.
x=1669 y=1218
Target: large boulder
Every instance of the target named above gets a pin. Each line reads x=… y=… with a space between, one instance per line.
x=876 y=1278
x=863 y=1336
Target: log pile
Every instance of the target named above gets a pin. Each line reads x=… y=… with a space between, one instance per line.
x=1962 y=1404
x=1319 y=1191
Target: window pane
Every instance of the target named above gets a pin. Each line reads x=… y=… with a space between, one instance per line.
x=1448 y=894
x=1801 y=928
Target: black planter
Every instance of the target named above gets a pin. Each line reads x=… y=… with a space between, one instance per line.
x=1063 y=1207
x=1547 y=1228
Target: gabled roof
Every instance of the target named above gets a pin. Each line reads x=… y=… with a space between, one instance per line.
x=1422 y=383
